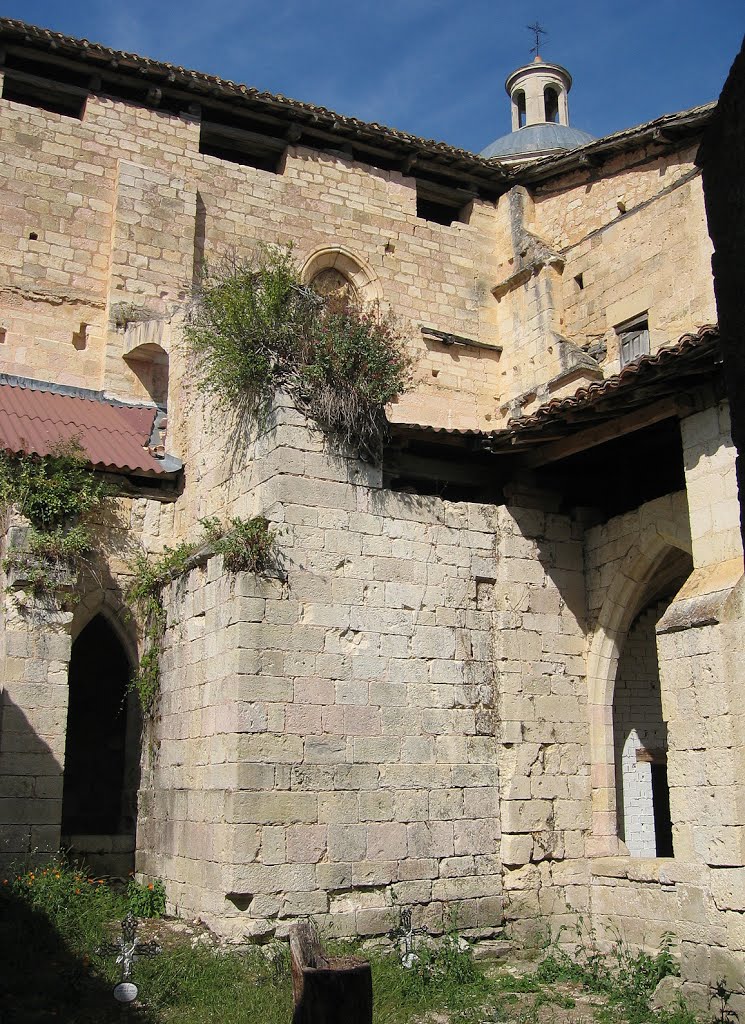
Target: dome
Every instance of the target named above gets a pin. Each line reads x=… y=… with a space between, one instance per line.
x=537 y=140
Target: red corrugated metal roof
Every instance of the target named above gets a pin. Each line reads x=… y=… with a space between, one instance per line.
x=113 y=436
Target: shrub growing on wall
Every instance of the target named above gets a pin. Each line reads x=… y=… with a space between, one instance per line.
x=57 y=494
x=254 y=327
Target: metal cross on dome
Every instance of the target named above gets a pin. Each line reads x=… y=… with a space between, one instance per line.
x=127 y=949
x=538 y=31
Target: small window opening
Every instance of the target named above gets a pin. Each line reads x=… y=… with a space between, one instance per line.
x=633 y=338
x=579 y=280
x=45 y=95
x=519 y=98
x=663 y=825
x=80 y=338
x=33 y=236
x=241 y=147
x=435 y=204
x=551 y=104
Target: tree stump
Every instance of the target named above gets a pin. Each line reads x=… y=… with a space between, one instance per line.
x=327 y=990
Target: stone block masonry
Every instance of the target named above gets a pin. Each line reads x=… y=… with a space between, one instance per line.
x=327 y=744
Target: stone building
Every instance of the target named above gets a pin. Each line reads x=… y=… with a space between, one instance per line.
x=501 y=676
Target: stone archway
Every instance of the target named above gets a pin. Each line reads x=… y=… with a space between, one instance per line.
x=627 y=595
x=347 y=265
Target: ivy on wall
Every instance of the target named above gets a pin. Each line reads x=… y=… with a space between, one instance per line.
x=247 y=545
x=58 y=494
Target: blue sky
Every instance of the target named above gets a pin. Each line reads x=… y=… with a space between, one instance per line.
x=435 y=68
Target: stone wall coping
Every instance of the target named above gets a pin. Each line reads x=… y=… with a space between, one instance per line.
x=663 y=870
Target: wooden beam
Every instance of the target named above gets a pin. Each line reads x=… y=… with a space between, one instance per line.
x=216 y=133
x=421 y=467
x=614 y=428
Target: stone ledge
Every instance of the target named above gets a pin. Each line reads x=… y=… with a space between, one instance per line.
x=662 y=870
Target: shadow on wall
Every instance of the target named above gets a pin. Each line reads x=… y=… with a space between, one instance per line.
x=31 y=780
x=561 y=555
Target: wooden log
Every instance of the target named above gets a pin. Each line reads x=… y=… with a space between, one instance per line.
x=327 y=990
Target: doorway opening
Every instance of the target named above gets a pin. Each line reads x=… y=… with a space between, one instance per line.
x=102 y=752
x=639 y=729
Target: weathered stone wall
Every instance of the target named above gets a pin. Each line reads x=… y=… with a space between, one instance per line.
x=722 y=156
x=585 y=254
x=422 y=713
x=33 y=711
x=697 y=894
x=711 y=486
x=543 y=754
x=147 y=209
x=328 y=746
x=626 y=268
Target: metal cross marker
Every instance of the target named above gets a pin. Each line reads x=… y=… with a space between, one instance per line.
x=538 y=31
x=127 y=949
x=405 y=933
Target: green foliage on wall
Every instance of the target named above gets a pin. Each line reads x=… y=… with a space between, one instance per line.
x=58 y=494
x=247 y=545
x=254 y=328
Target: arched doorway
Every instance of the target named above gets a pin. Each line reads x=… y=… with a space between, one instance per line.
x=656 y=565
x=101 y=778
x=643 y=816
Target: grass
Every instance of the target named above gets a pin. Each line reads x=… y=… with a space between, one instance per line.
x=54 y=918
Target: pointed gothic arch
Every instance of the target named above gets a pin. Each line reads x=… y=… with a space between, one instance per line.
x=626 y=597
x=102 y=744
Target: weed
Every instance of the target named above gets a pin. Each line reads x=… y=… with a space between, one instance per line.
x=626 y=978
x=724 y=1014
x=247 y=545
x=254 y=328
x=77 y=904
x=146 y=899
x=57 y=494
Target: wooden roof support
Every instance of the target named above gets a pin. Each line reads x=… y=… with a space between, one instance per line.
x=613 y=428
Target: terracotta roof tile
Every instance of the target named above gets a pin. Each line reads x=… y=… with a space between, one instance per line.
x=114 y=437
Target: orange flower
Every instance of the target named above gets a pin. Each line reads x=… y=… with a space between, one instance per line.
x=91 y=881
x=77 y=892
x=150 y=886
x=5 y=881
x=100 y=881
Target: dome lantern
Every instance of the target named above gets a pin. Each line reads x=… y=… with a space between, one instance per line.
x=538 y=93
x=540 y=115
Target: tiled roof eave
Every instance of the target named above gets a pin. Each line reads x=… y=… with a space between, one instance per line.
x=661 y=130
x=430 y=155
x=198 y=84
x=116 y=438
x=668 y=362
